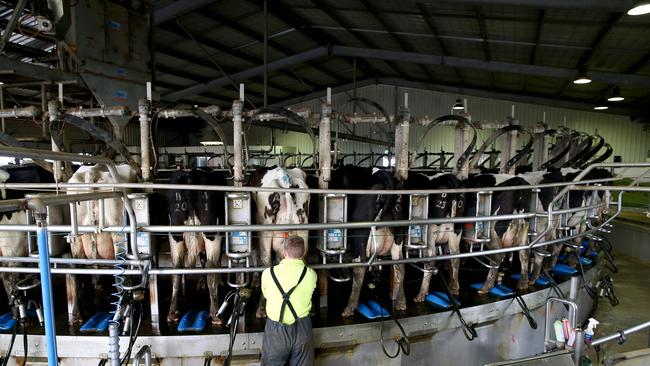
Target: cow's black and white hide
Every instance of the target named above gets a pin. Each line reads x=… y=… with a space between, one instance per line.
x=280 y=208
x=503 y=233
x=541 y=204
x=372 y=207
x=440 y=206
x=578 y=221
x=14 y=243
x=192 y=207
x=97 y=245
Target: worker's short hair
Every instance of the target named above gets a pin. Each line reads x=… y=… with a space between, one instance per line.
x=294 y=247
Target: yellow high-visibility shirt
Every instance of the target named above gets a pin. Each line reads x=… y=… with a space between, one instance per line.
x=288 y=273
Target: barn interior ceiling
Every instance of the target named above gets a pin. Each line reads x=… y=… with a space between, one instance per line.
x=527 y=51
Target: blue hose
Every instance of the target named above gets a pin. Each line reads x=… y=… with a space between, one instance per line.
x=46 y=289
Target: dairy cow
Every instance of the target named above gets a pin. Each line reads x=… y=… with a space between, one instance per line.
x=97 y=245
x=503 y=233
x=192 y=207
x=441 y=205
x=14 y=243
x=372 y=207
x=280 y=208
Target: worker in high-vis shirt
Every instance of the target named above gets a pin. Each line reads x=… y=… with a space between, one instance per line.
x=288 y=288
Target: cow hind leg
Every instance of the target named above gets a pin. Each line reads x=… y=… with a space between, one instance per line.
x=178 y=257
x=454 y=248
x=213 y=253
x=496 y=259
x=72 y=283
x=428 y=266
x=398 y=296
x=524 y=255
x=358 y=275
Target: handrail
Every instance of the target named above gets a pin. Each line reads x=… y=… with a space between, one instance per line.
x=288 y=190
x=620 y=334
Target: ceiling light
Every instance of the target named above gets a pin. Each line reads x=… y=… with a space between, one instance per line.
x=211 y=143
x=458 y=105
x=616 y=96
x=601 y=106
x=639 y=7
x=582 y=78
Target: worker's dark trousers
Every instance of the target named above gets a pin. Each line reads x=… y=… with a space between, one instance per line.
x=288 y=344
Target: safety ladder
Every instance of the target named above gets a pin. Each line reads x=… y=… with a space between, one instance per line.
x=238 y=243
x=334 y=241
x=482 y=229
x=417 y=238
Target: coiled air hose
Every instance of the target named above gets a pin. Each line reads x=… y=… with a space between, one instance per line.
x=114 y=326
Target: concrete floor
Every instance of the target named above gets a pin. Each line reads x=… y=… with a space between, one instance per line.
x=632 y=287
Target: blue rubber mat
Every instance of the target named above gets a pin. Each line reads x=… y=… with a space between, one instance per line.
x=372 y=310
x=541 y=280
x=584 y=260
x=193 y=321
x=97 y=323
x=440 y=300
x=497 y=290
x=7 y=321
x=564 y=270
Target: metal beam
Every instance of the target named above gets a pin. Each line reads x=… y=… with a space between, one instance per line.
x=247 y=74
x=17 y=67
x=9 y=30
x=359 y=36
x=538 y=34
x=618 y=5
x=322 y=93
x=260 y=38
x=494 y=66
x=177 y=9
x=404 y=45
x=428 y=19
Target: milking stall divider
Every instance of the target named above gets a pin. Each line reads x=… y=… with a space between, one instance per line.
x=357 y=341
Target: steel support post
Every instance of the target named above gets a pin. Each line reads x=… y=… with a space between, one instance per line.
x=402 y=142
x=325 y=170
x=579 y=346
x=237 y=109
x=46 y=288
x=509 y=147
x=144 y=108
x=53 y=110
x=540 y=150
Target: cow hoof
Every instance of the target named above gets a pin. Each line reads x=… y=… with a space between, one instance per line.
x=216 y=321
x=173 y=317
x=348 y=312
x=454 y=292
x=532 y=282
x=77 y=319
x=522 y=284
x=401 y=306
x=260 y=314
x=483 y=291
x=420 y=298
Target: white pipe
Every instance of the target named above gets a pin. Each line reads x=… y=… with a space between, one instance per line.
x=145 y=148
x=237 y=107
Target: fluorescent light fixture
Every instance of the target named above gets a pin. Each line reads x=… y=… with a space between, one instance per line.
x=1 y=83
x=601 y=106
x=458 y=105
x=211 y=143
x=582 y=78
x=616 y=96
x=639 y=7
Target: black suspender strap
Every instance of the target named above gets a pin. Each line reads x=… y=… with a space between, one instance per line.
x=286 y=301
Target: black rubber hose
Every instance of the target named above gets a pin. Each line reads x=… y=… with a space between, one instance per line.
x=403 y=343
x=11 y=346
x=468 y=330
x=24 y=325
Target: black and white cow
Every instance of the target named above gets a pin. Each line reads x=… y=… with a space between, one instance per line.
x=14 y=243
x=503 y=233
x=280 y=208
x=442 y=205
x=192 y=207
x=372 y=207
x=98 y=245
